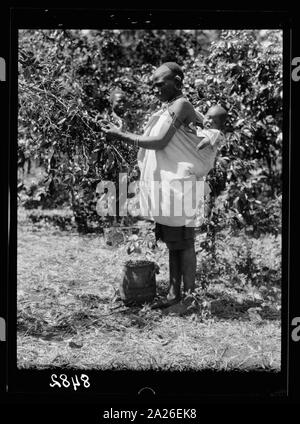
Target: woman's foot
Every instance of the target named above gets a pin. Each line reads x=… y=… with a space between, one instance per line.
x=164 y=303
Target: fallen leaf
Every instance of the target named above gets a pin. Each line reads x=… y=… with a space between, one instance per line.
x=75 y=345
x=52 y=336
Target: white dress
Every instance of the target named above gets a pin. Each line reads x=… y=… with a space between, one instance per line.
x=172 y=182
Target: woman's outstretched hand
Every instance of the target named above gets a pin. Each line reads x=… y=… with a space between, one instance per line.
x=111 y=130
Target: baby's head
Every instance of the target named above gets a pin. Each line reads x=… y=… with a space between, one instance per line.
x=117 y=100
x=215 y=117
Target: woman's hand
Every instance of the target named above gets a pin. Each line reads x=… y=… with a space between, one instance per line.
x=111 y=130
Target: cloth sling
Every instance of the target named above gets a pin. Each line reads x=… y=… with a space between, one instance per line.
x=172 y=181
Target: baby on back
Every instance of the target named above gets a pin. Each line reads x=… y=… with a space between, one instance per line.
x=213 y=124
x=210 y=136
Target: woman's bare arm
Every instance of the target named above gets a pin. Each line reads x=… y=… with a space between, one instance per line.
x=181 y=112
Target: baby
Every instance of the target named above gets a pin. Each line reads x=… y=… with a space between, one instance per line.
x=210 y=137
x=213 y=124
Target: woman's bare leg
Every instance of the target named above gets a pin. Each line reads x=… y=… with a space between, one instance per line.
x=188 y=267
x=175 y=275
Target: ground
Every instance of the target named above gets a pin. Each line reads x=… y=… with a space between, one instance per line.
x=68 y=314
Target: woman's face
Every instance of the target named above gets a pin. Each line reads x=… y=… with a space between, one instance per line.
x=164 y=85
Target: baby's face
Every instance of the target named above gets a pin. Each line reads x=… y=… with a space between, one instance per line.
x=212 y=121
x=215 y=118
x=119 y=102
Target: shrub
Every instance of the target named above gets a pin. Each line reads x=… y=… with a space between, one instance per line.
x=65 y=79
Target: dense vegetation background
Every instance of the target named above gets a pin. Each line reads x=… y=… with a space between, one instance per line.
x=66 y=76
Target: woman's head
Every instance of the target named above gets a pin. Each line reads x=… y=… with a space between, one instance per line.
x=167 y=81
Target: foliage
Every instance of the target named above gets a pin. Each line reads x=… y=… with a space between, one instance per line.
x=66 y=76
x=64 y=220
x=244 y=73
x=240 y=261
x=144 y=242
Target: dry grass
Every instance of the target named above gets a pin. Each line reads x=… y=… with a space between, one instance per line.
x=67 y=315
